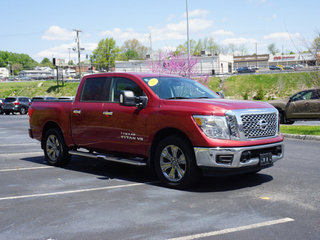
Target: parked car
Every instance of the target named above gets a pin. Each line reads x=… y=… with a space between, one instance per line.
x=246 y=70
x=66 y=97
x=253 y=67
x=144 y=119
x=297 y=66
x=288 y=67
x=16 y=104
x=1 y=105
x=43 y=98
x=275 y=68
x=303 y=105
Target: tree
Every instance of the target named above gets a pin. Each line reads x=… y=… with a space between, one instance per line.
x=136 y=46
x=131 y=54
x=243 y=49
x=212 y=47
x=232 y=47
x=177 y=64
x=45 y=61
x=272 y=49
x=198 y=47
x=105 y=53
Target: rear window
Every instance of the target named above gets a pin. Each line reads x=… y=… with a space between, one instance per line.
x=10 y=99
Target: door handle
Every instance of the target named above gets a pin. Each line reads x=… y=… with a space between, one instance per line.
x=78 y=112
x=107 y=113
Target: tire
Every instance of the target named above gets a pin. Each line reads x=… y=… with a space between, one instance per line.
x=281 y=117
x=23 y=111
x=55 y=149
x=175 y=163
x=7 y=113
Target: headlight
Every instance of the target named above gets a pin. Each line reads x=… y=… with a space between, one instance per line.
x=213 y=126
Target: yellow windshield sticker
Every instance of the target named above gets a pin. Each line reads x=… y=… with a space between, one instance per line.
x=152 y=82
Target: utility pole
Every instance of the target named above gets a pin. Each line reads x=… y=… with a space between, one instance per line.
x=69 y=56
x=256 y=55
x=151 y=50
x=188 y=31
x=78 y=43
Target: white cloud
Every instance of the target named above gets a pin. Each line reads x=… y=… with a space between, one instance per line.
x=62 y=51
x=196 y=13
x=169 y=19
x=57 y=33
x=172 y=31
x=222 y=33
x=282 y=36
x=239 y=41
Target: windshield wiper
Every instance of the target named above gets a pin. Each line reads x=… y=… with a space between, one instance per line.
x=178 y=98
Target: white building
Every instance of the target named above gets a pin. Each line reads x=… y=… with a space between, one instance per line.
x=4 y=72
x=34 y=74
x=305 y=59
x=209 y=64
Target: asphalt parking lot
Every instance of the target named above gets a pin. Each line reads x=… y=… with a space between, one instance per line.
x=95 y=199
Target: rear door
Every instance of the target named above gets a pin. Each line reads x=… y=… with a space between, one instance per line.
x=86 y=113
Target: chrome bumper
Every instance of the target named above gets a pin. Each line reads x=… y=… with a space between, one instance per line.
x=237 y=157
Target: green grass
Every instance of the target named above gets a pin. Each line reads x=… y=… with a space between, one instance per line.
x=300 y=130
x=37 y=88
x=274 y=86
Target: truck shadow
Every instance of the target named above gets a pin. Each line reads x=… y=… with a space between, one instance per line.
x=105 y=170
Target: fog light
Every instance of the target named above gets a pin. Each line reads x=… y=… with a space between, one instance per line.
x=279 y=151
x=245 y=156
x=224 y=159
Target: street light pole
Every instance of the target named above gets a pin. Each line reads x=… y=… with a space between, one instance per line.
x=78 y=43
x=188 y=42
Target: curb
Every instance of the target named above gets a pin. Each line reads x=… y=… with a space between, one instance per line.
x=302 y=137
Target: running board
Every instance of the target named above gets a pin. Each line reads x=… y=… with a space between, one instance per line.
x=132 y=161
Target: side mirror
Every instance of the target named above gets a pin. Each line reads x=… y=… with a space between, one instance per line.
x=220 y=94
x=127 y=98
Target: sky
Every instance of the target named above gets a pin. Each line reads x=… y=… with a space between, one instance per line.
x=45 y=29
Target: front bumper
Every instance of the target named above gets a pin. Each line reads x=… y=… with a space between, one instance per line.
x=236 y=160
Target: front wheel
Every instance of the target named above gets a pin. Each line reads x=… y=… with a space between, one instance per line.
x=55 y=149
x=175 y=163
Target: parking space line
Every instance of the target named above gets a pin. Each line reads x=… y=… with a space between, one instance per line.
x=22 y=153
x=237 y=229
x=21 y=169
x=17 y=144
x=74 y=191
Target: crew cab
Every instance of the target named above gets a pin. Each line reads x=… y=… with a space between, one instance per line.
x=173 y=124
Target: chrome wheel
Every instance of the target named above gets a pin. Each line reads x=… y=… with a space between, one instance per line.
x=53 y=148
x=173 y=163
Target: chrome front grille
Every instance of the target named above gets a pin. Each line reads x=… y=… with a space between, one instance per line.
x=260 y=125
x=251 y=124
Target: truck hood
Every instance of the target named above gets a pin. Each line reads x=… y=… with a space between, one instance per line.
x=217 y=105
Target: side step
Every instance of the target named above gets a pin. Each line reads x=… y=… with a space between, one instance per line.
x=132 y=161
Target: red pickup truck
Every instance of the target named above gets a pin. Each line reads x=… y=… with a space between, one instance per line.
x=173 y=124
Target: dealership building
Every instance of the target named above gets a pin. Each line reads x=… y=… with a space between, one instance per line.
x=266 y=60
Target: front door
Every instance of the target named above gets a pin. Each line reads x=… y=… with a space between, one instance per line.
x=123 y=127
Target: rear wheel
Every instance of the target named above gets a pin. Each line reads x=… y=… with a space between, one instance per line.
x=7 y=113
x=175 y=163
x=23 y=111
x=55 y=149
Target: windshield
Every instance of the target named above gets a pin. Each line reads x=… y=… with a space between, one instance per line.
x=178 y=88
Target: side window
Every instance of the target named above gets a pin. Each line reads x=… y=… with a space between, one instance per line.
x=315 y=94
x=95 y=90
x=119 y=84
x=304 y=95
